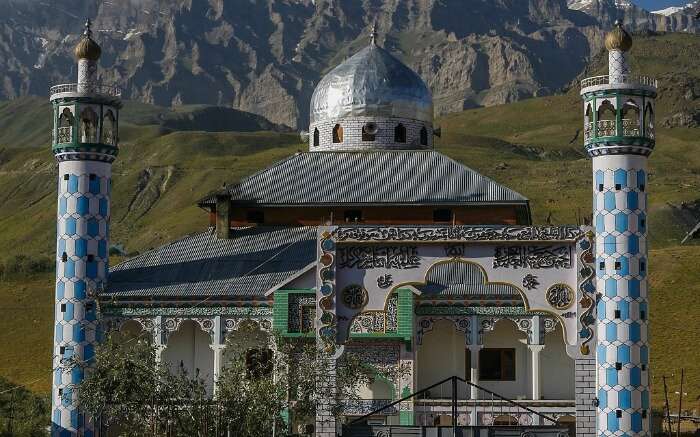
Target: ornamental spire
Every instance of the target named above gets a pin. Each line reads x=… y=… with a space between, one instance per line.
x=373 y=34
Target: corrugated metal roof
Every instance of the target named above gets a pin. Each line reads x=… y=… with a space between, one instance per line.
x=384 y=177
x=249 y=263
x=457 y=278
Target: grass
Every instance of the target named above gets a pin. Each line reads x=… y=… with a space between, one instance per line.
x=528 y=145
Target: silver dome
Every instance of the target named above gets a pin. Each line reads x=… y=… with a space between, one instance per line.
x=371 y=83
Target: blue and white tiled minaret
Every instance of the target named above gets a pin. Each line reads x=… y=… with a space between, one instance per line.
x=84 y=142
x=619 y=136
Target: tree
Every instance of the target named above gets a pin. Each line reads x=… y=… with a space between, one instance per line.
x=264 y=376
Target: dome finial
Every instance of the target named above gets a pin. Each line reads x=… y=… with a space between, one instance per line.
x=87 y=48
x=88 y=32
x=373 y=34
x=618 y=38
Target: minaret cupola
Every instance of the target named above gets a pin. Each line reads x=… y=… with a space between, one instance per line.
x=371 y=101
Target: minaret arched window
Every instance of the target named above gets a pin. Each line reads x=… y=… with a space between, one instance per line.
x=65 y=126
x=649 y=121
x=423 y=136
x=606 y=119
x=630 y=118
x=588 y=123
x=316 y=137
x=399 y=133
x=108 y=131
x=337 y=133
x=88 y=126
x=369 y=131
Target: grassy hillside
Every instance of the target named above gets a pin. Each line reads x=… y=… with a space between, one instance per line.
x=533 y=146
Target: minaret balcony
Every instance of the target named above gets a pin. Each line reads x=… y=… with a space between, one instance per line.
x=78 y=89
x=627 y=81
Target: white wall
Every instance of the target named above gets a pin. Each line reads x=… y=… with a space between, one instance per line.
x=441 y=356
x=558 y=380
x=190 y=345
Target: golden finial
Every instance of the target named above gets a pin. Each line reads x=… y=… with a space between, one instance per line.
x=87 y=48
x=618 y=38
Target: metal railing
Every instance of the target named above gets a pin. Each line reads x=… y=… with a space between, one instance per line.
x=606 y=128
x=631 y=128
x=489 y=409
x=109 y=90
x=625 y=79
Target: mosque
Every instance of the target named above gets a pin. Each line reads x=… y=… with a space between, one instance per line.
x=376 y=244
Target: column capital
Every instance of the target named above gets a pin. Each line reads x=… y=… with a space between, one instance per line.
x=217 y=347
x=536 y=348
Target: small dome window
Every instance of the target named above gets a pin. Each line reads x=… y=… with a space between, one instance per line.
x=369 y=131
x=337 y=133
x=316 y=137
x=423 y=136
x=399 y=133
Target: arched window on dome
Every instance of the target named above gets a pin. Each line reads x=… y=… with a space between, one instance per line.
x=88 y=126
x=65 y=126
x=423 y=136
x=108 y=131
x=369 y=131
x=337 y=133
x=399 y=133
x=630 y=119
x=316 y=139
x=606 y=120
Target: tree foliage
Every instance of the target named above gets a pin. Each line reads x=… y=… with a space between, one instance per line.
x=265 y=377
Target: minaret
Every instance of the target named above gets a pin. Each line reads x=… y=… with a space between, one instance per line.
x=84 y=143
x=619 y=137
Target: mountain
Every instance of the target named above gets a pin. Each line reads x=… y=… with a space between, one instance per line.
x=265 y=56
x=673 y=19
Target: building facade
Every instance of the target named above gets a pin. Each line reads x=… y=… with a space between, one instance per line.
x=372 y=243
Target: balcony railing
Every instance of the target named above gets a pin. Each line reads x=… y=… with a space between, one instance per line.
x=608 y=128
x=625 y=79
x=65 y=135
x=108 y=90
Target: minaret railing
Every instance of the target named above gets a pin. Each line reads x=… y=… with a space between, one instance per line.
x=109 y=90
x=624 y=79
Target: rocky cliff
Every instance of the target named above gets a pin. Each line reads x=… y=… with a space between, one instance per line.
x=265 y=56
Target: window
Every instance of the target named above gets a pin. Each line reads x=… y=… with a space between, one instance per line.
x=468 y=365
x=88 y=306
x=399 y=134
x=91 y=258
x=442 y=215
x=618 y=314
x=63 y=308
x=423 y=136
x=618 y=187
x=258 y=362
x=108 y=130
x=306 y=318
x=93 y=176
x=64 y=257
x=66 y=177
x=369 y=131
x=618 y=413
x=601 y=265
x=643 y=315
x=316 y=139
x=618 y=366
x=600 y=187
x=338 y=133
x=88 y=126
x=255 y=216
x=618 y=265
x=353 y=216
x=497 y=364
x=62 y=350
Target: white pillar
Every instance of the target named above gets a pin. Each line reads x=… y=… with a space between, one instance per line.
x=535 y=350
x=218 y=345
x=474 y=369
x=159 y=338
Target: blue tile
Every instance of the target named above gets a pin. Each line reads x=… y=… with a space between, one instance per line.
x=623 y=354
x=601 y=309
x=610 y=287
x=60 y=290
x=88 y=352
x=69 y=268
x=642 y=223
x=72 y=184
x=609 y=201
x=83 y=206
x=78 y=333
x=634 y=331
x=93 y=227
x=79 y=289
x=74 y=419
x=62 y=205
x=644 y=354
x=633 y=245
x=81 y=247
x=59 y=333
x=611 y=376
x=600 y=354
x=621 y=177
x=91 y=269
x=621 y=222
x=632 y=200
x=104 y=207
x=95 y=185
x=613 y=422
x=645 y=399
x=61 y=247
x=599 y=177
x=67 y=398
x=602 y=399
x=71 y=225
x=624 y=399
x=634 y=288
x=600 y=223
x=611 y=332
x=102 y=249
x=610 y=244
x=76 y=375
x=641 y=178
x=624 y=266
x=635 y=376
x=636 y=422
x=624 y=308
x=68 y=314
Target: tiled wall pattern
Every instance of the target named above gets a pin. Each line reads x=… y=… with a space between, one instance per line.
x=81 y=268
x=384 y=139
x=621 y=263
x=585 y=395
x=617 y=66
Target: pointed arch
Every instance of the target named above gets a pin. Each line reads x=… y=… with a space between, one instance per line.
x=606 y=111
x=423 y=136
x=631 y=118
x=607 y=119
x=108 y=128
x=88 y=126
x=337 y=133
x=400 y=133
x=66 y=122
x=649 y=120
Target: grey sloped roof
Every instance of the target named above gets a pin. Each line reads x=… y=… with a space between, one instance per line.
x=456 y=278
x=383 y=177
x=250 y=263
